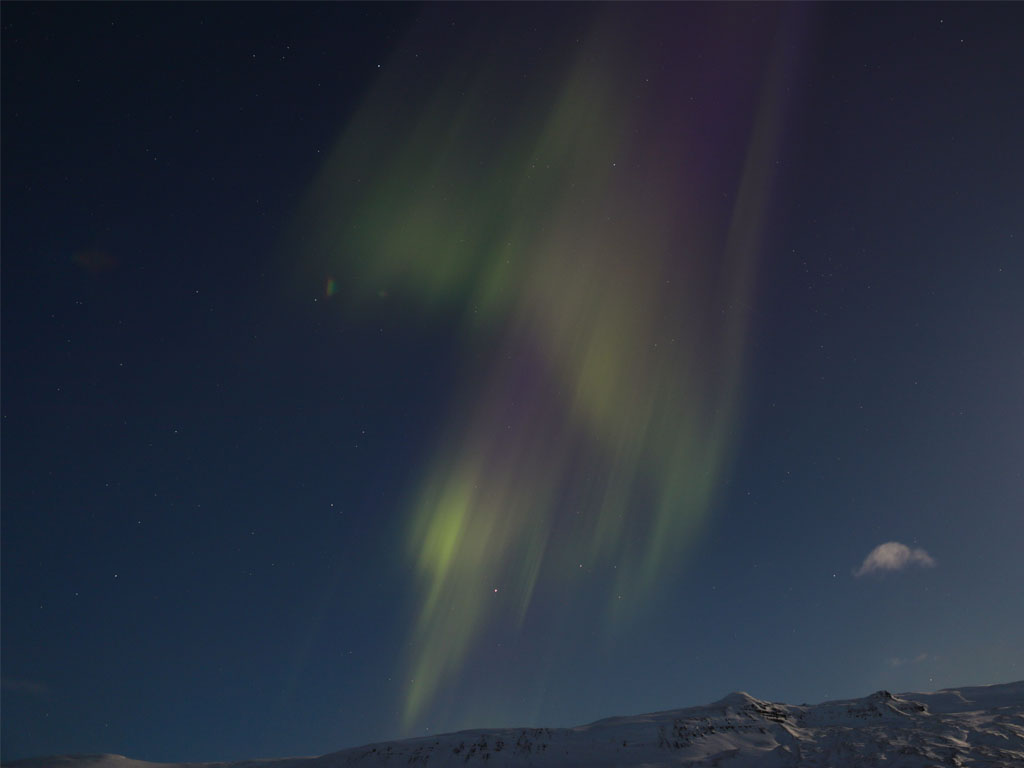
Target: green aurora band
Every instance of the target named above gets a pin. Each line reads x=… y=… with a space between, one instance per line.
x=600 y=270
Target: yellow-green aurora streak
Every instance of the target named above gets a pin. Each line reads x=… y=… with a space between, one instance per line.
x=607 y=306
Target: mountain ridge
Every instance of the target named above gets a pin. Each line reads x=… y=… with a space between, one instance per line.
x=968 y=726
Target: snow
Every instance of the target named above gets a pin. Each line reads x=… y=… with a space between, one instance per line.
x=974 y=726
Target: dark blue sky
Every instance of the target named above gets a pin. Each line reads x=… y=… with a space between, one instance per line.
x=208 y=463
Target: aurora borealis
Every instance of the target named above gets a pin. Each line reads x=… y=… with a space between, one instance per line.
x=382 y=370
x=561 y=221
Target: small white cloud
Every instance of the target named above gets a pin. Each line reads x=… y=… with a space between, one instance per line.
x=893 y=556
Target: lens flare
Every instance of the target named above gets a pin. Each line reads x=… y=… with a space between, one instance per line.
x=594 y=232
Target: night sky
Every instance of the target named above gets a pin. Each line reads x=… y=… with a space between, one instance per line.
x=379 y=370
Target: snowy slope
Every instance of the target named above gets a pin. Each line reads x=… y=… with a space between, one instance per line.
x=980 y=726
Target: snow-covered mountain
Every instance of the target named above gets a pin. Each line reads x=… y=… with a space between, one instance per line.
x=980 y=726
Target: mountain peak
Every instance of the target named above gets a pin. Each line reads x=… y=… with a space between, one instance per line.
x=737 y=699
